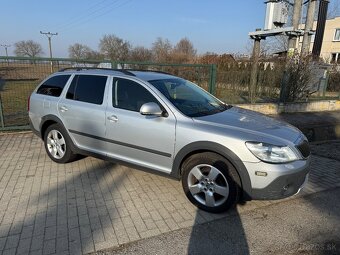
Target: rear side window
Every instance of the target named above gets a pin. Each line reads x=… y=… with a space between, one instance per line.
x=87 y=88
x=53 y=86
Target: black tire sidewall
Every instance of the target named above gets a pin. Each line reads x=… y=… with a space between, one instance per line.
x=68 y=156
x=226 y=168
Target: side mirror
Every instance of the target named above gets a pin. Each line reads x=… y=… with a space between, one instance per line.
x=151 y=109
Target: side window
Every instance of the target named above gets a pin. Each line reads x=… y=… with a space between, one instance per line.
x=53 y=86
x=130 y=95
x=87 y=88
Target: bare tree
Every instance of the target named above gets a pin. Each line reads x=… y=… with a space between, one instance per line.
x=161 y=50
x=114 y=48
x=28 y=49
x=141 y=54
x=278 y=44
x=95 y=55
x=79 y=51
x=185 y=47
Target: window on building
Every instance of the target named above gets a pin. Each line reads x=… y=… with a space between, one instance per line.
x=87 y=88
x=335 y=57
x=337 y=35
x=53 y=86
x=312 y=38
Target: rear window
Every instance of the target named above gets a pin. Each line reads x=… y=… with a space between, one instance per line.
x=53 y=86
x=87 y=88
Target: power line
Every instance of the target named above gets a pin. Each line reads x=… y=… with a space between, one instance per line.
x=97 y=16
x=85 y=16
x=82 y=13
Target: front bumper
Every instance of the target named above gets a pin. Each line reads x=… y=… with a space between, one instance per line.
x=280 y=184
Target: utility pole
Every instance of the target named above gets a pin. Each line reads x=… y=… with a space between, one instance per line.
x=6 y=46
x=296 y=22
x=255 y=67
x=308 y=27
x=320 y=28
x=49 y=36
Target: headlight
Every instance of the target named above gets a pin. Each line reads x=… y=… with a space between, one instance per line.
x=272 y=153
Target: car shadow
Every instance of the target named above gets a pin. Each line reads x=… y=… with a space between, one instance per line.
x=221 y=233
x=226 y=236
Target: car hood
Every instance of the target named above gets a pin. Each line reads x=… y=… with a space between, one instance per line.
x=236 y=117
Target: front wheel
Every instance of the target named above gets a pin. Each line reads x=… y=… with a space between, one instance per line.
x=210 y=182
x=57 y=144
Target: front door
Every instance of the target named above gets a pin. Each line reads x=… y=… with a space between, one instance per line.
x=147 y=141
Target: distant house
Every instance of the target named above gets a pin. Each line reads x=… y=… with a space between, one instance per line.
x=330 y=50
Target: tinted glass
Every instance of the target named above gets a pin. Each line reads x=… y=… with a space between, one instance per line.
x=189 y=98
x=130 y=95
x=53 y=86
x=71 y=89
x=87 y=88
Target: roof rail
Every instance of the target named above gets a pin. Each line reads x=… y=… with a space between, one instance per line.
x=124 y=71
x=146 y=70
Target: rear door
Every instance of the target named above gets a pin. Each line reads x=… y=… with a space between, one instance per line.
x=82 y=111
x=147 y=141
x=45 y=100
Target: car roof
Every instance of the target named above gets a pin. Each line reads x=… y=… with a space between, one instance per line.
x=145 y=75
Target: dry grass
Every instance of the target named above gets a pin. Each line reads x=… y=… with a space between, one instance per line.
x=14 y=96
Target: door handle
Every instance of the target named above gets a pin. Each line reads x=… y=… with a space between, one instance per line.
x=63 y=108
x=112 y=118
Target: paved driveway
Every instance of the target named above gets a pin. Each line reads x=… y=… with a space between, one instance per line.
x=90 y=204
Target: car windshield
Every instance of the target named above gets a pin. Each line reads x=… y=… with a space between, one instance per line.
x=187 y=97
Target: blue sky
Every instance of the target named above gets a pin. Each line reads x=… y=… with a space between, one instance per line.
x=220 y=26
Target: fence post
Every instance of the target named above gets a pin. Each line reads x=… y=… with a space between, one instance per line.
x=283 y=88
x=1 y=115
x=212 y=79
x=114 y=65
x=325 y=85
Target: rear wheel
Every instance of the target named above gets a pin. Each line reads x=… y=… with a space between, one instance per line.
x=57 y=144
x=210 y=182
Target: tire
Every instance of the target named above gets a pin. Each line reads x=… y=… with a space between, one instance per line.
x=57 y=144
x=211 y=182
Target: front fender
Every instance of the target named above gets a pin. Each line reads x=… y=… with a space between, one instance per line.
x=219 y=149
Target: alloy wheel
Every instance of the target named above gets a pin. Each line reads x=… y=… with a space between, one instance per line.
x=208 y=185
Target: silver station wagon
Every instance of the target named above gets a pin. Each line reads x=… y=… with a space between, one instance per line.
x=156 y=121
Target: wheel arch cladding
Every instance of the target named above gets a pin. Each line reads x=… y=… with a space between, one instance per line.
x=48 y=120
x=206 y=146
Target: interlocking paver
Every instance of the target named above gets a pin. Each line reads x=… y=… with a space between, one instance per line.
x=2 y=243
x=91 y=204
x=62 y=244
x=37 y=243
x=24 y=246
x=12 y=241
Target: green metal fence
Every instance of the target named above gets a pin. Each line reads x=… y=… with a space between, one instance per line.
x=19 y=76
x=228 y=81
x=233 y=81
